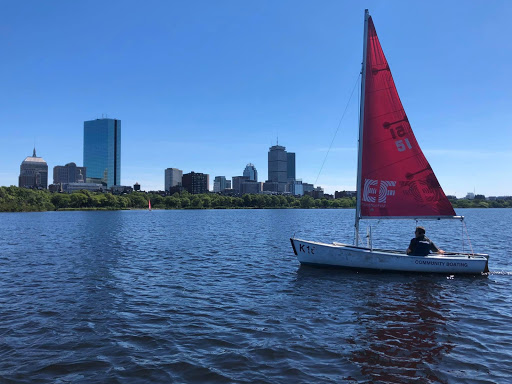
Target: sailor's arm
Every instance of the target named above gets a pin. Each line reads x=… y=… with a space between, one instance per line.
x=434 y=249
x=411 y=247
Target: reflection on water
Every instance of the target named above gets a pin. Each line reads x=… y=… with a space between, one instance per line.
x=399 y=335
x=396 y=326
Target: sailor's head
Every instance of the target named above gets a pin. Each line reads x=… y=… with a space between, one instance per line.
x=420 y=231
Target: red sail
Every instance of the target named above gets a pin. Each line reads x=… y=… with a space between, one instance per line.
x=396 y=178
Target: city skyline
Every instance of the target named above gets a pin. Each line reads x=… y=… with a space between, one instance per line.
x=211 y=90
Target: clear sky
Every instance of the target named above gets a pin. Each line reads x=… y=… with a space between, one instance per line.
x=208 y=86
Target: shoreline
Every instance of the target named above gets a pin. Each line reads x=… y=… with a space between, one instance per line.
x=15 y=199
x=113 y=209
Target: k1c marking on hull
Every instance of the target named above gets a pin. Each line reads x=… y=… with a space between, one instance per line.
x=310 y=250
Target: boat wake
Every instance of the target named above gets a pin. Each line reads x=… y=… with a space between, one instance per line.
x=499 y=273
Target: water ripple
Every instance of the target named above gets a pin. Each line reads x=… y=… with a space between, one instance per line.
x=218 y=296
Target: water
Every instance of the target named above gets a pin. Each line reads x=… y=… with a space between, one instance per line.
x=218 y=297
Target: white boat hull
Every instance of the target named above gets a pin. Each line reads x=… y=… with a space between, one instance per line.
x=348 y=256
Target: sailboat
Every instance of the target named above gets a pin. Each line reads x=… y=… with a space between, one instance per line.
x=394 y=181
x=149 y=205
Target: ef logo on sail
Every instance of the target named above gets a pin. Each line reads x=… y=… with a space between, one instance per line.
x=380 y=189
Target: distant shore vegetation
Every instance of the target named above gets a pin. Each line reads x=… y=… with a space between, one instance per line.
x=14 y=199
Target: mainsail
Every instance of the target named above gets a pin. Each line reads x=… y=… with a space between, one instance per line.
x=396 y=178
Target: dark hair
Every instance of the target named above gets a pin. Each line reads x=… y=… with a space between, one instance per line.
x=420 y=230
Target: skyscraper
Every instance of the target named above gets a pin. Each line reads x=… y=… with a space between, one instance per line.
x=277 y=164
x=102 y=151
x=173 y=177
x=277 y=169
x=290 y=169
x=33 y=172
x=250 y=172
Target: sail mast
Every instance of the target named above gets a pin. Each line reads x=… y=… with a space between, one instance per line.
x=361 y=121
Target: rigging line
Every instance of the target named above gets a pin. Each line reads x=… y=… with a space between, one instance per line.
x=356 y=231
x=469 y=240
x=339 y=125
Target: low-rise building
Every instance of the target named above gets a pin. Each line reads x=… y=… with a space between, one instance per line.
x=317 y=193
x=176 y=189
x=69 y=173
x=275 y=186
x=237 y=183
x=307 y=187
x=93 y=187
x=341 y=194
x=73 y=187
x=250 y=186
x=470 y=196
x=296 y=188
x=119 y=189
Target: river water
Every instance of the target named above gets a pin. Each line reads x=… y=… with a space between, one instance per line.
x=217 y=296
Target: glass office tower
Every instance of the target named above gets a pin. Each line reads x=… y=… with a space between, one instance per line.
x=250 y=172
x=102 y=151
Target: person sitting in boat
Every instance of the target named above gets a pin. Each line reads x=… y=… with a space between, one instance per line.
x=421 y=245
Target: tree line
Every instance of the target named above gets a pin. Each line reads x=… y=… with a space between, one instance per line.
x=14 y=199
x=481 y=203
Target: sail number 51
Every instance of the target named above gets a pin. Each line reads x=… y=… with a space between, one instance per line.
x=402 y=145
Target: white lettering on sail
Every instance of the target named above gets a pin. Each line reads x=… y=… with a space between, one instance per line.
x=384 y=191
x=367 y=190
x=401 y=146
x=370 y=190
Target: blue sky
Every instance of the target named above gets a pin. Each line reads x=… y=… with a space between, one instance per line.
x=208 y=86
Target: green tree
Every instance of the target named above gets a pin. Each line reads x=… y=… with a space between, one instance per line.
x=110 y=200
x=98 y=200
x=248 y=200
x=184 y=201
x=206 y=200
x=196 y=202
x=137 y=200
x=306 y=201
x=172 y=202
x=78 y=200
